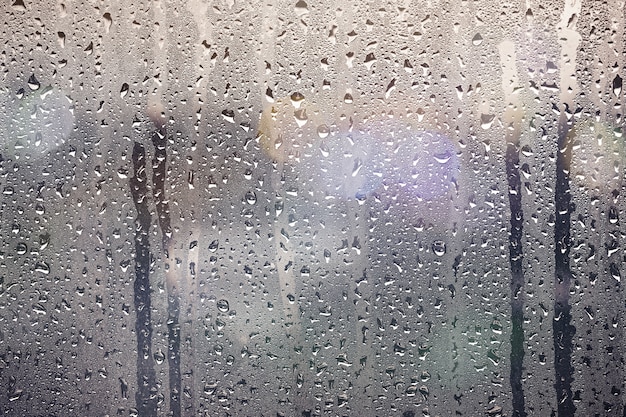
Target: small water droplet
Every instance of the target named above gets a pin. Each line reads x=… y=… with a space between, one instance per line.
x=526 y=151
x=439 y=247
x=617 y=85
x=477 y=39
x=44 y=240
x=108 y=21
x=39 y=309
x=19 y=5
x=301 y=8
x=323 y=131
x=223 y=306
x=296 y=99
x=16 y=395
x=486 y=120
x=324 y=150
x=251 y=197
x=228 y=115
x=301 y=117
x=33 y=84
x=443 y=157
x=358 y=164
x=42 y=267
x=124 y=90
x=21 y=248
x=613 y=215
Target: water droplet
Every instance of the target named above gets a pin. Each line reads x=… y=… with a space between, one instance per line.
x=617 y=85
x=324 y=149
x=486 y=120
x=443 y=157
x=551 y=67
x=613 y=215
x=615 y=272
x=124 y=90
x=223 y=305
x=42 y=267
x=296 y=99
x=358 y=164
x=19 y=5
x=301 y=8
x=526 y=151
x=39 y=309
x=439 y=247
x=323 y=131
x=477 y=39
x=209 y=388
x=16 y=395
x=44 y=240
x=301 y=117
x=250 y=197
x=21 y=248
x=108 y=21
x=228 y=115
x=33 y=84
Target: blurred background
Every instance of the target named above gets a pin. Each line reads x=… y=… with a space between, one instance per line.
x=291 y=208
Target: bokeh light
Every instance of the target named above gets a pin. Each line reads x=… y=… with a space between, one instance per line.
x=351 y=162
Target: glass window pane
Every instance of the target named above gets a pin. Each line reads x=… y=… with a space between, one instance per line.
x=298 y=208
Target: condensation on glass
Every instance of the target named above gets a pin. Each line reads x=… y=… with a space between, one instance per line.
x=299 y=208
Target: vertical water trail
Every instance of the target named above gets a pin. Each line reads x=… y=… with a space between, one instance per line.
x=146 y=377
x=284 y=248
x=512 y=117
x=517 y=277
x=199 y=12
x=159 y=140
x=562 y=329
x=161 y=51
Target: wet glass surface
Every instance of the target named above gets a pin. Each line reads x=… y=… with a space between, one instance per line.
x=290 y=208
